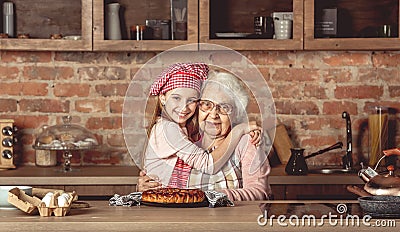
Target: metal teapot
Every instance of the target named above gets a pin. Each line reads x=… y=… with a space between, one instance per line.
x=377 y=184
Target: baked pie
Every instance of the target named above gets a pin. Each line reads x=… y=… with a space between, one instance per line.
x=173 y=195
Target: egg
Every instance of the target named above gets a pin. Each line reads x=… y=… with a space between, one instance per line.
x=66 y=195
x=62 y=201
x=46 y=199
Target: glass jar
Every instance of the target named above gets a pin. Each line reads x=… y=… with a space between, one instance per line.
x=378 y=133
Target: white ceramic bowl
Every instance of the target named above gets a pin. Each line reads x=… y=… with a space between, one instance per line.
x=4 y=195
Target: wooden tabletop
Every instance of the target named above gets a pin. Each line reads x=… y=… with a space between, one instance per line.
x=128 y=175
x=101 y=217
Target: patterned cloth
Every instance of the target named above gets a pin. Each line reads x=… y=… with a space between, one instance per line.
x=180 y=174
x=180 y=75
x=126 y=200
x=214 y=198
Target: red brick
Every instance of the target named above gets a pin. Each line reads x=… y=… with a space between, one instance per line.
x=116 y=140
x=295 y=74
x=394 y=91
x=116 y=106
x=8 y=105
x=286 y=90
x=104 y=123
x=386 y=59
x=114 y=90
x=102 y=73
x=8 y=73
x=314 y=91
x=319 y=141
x=296 y=107
x=265 y=72
x=81 y=57
x=282 y=58
x=27 y=88
x=377 y=75
x=347 y=59
x=90 y=106
x=47 y=73
x=337 y=107
x=71 y=90
x=44 y=105
x=336 y=75
x=321 y=123
x=26 y=57
x=359 y=92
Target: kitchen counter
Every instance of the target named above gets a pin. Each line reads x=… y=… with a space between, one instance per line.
x=244 y=216
x=104 y=181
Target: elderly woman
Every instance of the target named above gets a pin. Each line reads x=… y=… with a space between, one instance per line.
x=245 y=176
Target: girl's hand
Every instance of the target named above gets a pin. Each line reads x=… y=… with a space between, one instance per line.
x=146 y=182
x=256 y=137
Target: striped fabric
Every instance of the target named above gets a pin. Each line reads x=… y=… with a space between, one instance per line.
x=180 y=174
x=229 y=177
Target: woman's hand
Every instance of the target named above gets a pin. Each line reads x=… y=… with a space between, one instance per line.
x=146 y=182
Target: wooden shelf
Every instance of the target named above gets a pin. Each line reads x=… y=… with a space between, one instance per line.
x=42 y=22
x=206 y=26
x=370 y=18
x=136 y=13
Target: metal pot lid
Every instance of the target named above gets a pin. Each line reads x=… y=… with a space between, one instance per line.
x=66 y=136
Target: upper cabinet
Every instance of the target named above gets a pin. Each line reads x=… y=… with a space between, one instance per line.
x=54 y=25
x=247 y=25
x=351 y=25
x=151 y=25
x=158 y=25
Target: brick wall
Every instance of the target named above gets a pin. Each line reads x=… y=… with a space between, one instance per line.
x=311 y=90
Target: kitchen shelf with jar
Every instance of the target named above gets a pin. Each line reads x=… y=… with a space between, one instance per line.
x=351 y=25
x=53 y=25
x=231 y=23
x=161 y=33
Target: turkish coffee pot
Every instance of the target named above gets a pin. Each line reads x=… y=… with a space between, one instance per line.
x=378 y=184
x=297 y=164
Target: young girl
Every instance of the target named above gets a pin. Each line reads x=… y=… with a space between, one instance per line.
x=175 y=128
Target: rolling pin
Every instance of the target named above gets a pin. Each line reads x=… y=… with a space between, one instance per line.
x=282 y=144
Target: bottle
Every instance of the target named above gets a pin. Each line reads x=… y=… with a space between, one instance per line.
x=113 y=25
x=8 y=19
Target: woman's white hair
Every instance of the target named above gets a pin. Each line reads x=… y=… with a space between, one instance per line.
x=234 y=88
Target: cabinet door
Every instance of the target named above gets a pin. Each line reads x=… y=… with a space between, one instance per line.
x=42 y=18
x=357 y=25
x=135 y=13
x=230 y=23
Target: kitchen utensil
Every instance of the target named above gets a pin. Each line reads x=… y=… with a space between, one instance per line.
x=297 y=162
x=380 y=205
x=377 y=184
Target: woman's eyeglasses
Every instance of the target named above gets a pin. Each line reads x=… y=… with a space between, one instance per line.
x=223 y=108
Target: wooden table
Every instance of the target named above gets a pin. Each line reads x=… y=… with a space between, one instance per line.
x=101 y=217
